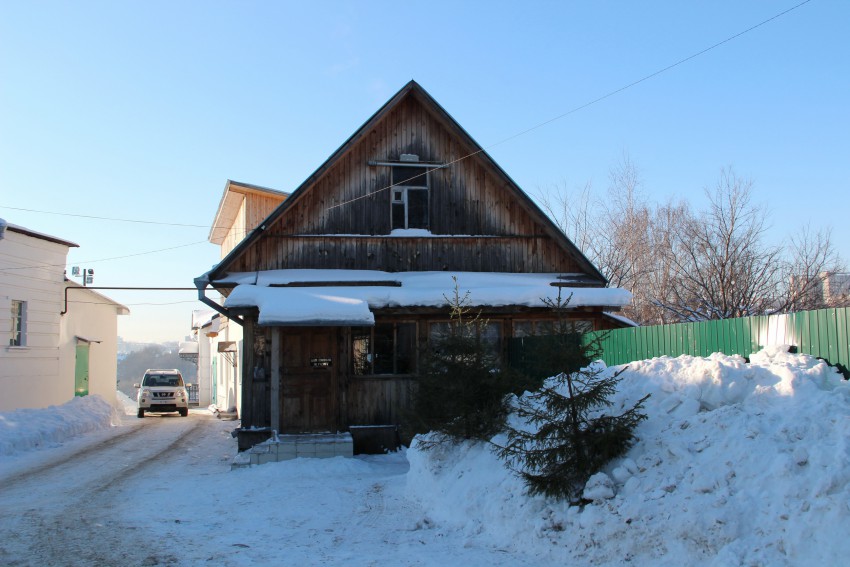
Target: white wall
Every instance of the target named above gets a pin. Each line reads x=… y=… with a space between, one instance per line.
x=30 y=375
x=204 y=383
x=229 y=389
x=92 y=316
x=224 y=386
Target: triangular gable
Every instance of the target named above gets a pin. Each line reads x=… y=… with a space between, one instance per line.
x=414 y=91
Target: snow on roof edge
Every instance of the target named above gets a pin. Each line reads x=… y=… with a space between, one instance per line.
x=282 y=304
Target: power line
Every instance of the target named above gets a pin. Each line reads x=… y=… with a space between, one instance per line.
x=124 y=288
x=70 y=301
x=41 y=266
x=103 y=218
x=462 y=158
x=117 y=219
x=582 y=106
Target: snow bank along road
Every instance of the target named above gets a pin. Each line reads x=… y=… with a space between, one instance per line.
x=58 y=506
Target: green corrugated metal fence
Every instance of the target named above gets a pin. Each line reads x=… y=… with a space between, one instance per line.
x=823 y=333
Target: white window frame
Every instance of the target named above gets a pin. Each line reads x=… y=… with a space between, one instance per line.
x=399 y=195
x=18 y=323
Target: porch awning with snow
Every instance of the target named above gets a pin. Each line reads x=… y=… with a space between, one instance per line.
x=188 y=350
x=187 y=347
x=301 y=306
x=347 y=297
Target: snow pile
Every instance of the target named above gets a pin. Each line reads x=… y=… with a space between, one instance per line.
x=736 y=464
x=318 y=300
x=26 y=429
x=127 y=404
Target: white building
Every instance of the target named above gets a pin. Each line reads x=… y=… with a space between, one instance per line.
x=51 y=350
x=242 y=208
x=89 y=333
x=836 y=288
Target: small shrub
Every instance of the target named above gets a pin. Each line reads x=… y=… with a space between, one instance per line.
x=570 y=437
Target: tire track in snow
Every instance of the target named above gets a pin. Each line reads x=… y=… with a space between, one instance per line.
x=27 y=475
x=48 y=524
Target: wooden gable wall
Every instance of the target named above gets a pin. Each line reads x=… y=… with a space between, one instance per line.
x=468 y=198
x=253 y=210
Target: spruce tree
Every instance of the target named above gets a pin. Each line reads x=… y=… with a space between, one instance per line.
x=570 y=435
x=462 y=387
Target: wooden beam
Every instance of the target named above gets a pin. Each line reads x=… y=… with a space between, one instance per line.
x=577 y=284
x=341 y=283
x=246 y=413
x=275 y=385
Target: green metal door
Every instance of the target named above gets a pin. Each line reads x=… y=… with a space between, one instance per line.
x=81 y=370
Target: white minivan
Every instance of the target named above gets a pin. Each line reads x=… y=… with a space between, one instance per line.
x=162 y=391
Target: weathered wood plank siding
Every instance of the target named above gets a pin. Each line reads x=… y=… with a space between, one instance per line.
x=351 y=198
x=378 y=400
x=484 y=254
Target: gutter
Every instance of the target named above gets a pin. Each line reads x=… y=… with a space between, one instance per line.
x=201 y=284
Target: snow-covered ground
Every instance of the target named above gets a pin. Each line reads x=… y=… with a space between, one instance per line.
x=738 y=464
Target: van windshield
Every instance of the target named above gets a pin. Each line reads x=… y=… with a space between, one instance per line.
x=170 y=380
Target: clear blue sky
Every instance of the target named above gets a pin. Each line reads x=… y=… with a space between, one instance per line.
x=142 y=110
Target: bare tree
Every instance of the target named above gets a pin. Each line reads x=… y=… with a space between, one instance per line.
x=612 y=232
x=656 y=289
x=689 y=266
x=576 y=214
x=722 y=267
x=616 y=233
x=812 y=262
x=626 y=227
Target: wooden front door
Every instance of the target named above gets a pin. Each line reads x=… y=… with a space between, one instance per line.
x=309 y=387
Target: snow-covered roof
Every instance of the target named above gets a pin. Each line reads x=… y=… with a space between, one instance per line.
x=202 y=317
x=187 y=347
x=346 y=297
x=621 y=319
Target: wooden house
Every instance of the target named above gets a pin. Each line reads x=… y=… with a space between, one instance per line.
x=343 y=284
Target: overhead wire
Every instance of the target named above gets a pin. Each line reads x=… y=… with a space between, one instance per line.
x=70 y=301
x=425 y=170
x=42 y=266
x=577 y=108
x=117 y=219
x=484 y=149
x=104 y=218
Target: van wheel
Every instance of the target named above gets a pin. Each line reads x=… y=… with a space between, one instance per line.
x=184 y=412
x=141 y=413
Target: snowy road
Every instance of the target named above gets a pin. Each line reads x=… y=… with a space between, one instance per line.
x=159 y=491
x=60 y=508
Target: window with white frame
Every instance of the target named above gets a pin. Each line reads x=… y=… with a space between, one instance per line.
x=18 y=335
x=409 y=197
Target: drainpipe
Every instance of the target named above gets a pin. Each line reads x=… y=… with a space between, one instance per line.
x=201 y=283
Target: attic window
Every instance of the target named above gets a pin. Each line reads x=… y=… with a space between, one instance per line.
x=409 y=196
